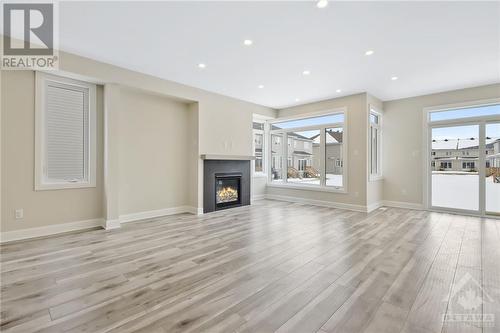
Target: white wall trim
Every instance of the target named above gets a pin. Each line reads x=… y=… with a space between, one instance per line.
x=357 y=208
x=257 y=197
x=374 y=206
x=126 y=218
x=54 y=229
x=194 y=210
x=402 y=204
x=50 y=230
x=111 y=224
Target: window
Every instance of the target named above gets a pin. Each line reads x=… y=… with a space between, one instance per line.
x=468 y=165
x=277 y=157
x=258 y=147
x=65 y=132
x=375 y=144
x=477 y=111
x=316 y=157
x=334 y=153
x=302 y=165
x=445 y=165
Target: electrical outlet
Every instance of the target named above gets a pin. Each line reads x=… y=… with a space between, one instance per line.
x=19 y=213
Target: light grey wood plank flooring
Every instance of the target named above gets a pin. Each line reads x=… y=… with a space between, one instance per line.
x=270 y=267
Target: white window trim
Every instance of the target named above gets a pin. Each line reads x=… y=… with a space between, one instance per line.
x=322 y=187
x=264 y=149
x=379 y=175
x=40 y=161
x=427 y=125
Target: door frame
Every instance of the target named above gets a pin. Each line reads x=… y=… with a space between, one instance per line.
x=427 y=143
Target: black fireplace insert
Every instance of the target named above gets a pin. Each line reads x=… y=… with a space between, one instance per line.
x=227 y=190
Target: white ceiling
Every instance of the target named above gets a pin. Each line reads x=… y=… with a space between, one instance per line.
x=430 y=46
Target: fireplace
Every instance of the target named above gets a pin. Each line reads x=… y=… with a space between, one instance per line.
x=226 y=184
x=227 y=190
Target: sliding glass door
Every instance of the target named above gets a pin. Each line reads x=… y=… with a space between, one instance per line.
x=464 y=159
x=492 y=168
x=454 y=167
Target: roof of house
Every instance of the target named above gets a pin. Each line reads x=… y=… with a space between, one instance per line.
x=465 y=143
x=333 y=137
x=301 y=152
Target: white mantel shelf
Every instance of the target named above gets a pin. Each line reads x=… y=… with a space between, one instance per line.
x=227 y=157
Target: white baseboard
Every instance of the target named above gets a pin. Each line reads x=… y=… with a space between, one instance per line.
x=111 y=224
x=357 y=208
x=54 y=229
x=374 y=206
x=402 y=204
x=194 y=210
x=257 y=197
x=158 y=213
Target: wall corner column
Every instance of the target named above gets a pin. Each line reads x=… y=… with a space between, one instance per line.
x=111 y=156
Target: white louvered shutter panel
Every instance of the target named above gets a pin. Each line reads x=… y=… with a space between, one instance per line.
x=67 y=129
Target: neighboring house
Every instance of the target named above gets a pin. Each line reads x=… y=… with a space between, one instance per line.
x=334 y=162
x=304 y=152
x=300 y=151
x=258 y=143
x=463 y=154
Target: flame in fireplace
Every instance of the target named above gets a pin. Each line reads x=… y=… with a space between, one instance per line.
x=227 y=194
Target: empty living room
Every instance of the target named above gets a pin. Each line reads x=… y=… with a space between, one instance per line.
x=250 y=166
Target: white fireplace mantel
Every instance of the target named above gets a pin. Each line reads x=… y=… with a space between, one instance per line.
x=227 y=157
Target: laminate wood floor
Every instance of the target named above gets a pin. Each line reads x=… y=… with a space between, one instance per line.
x=270 y=267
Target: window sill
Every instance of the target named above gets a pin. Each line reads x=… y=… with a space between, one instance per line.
x=375 y=178
x=308 y=188
x=259 y=175
x=62 y=186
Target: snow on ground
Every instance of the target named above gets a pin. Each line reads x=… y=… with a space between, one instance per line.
x=331 y=180
x=462 y=191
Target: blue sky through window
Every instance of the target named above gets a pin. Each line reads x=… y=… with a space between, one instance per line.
x=470 y=131
x=466 y=113
x=329 y=119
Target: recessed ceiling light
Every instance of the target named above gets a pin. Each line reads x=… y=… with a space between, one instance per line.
x=394 y=78
x=322 y=3
x=261 y=86
x=297 y=100
x=248 y=42
x=369 y=52
x=202 y=65
x=338 y=90
x=306 y=72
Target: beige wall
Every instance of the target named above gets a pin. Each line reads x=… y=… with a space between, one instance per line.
x=214 y=124
x=41 y=208
x=153 y=153
x=356 y=106
x=225 y=123
x=402 y=143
